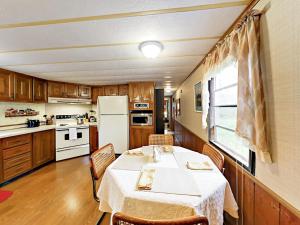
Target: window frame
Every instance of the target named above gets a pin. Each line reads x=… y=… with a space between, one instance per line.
x=252 y=157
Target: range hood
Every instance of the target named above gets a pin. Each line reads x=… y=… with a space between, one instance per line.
x=69 y=100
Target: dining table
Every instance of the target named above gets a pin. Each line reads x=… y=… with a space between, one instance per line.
x=177 y=191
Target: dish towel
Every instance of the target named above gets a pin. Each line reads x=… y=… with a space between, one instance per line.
x=199 y=165
x=72 y=133
x=146 y=179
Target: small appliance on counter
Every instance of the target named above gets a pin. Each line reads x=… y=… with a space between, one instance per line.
x=92 y=117
x=33 y=123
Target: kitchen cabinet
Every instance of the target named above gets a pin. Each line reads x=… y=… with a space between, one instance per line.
x=141 y=92
x=111 y=90
x=84 y=91
x=139 y=136
x=97 y=91
x=93 y=138
x=39 y=90
x=71 y=90
x=56 y=89
x=16 y=155
x=43 y=147
x=6 y=85
x=123 y=89
x=23 y=88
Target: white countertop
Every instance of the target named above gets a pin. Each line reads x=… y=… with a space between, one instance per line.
x=20 y=131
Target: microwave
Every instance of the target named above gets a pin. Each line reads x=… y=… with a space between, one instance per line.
x=141 y=119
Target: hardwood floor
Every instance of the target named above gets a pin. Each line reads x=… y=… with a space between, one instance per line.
x=59 y=193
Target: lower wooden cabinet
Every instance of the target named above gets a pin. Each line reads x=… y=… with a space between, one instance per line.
x=43 y=147
x=139 y=136
x=16 y=156
x=93 y=138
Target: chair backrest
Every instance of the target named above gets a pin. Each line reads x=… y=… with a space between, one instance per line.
x=122 y=219
x=101 y=159
x=215 y=155
x=161 y=139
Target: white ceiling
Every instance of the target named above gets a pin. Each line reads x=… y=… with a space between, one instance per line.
x=96 y=42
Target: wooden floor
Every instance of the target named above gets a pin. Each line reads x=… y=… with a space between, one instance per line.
x=59 y=193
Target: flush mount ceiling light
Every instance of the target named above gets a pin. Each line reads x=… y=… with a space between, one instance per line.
x=151 y=49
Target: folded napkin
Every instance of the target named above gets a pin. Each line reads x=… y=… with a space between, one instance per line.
x=199 y=165
x=146 y=179
x=137 y=152
x=167 y=148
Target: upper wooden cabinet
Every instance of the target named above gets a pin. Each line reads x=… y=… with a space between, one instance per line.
x=97 y=91
x=6 y=85
x=141 y=92
x=56 y=89
x=71 y=90
x=111 y=90
x=39 y=90
x=85 y=91
x=123 y=89
x=23 y=88
x=62 y=90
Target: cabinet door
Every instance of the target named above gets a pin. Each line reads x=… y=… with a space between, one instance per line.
x=134 y=92
x=6 y=85
x=145 y=135
x=135 y=137
x=1 y=165
x=97 y=91
x=71 y=90
x=147 y=92
x=39 y=90
x=56 y=89
x=94 y=138
x=123 y=89
x=85 y=91
x=23 y=88
x=111 y=90
x=43 y=147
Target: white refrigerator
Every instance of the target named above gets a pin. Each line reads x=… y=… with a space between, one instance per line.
x=113 y=122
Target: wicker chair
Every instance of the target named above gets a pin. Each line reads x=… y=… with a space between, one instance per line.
x=100 y=160
x=215 y=155
x=122 y=219
x=161 y=139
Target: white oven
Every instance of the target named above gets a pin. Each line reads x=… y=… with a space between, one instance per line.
x=72 y=141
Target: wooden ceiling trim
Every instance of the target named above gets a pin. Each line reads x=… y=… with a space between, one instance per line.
x=107 y=45
x=100 y=60
x=124 y=15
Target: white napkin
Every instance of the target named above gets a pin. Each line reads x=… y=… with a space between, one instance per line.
x=72 y=133
x=146 y=179
x=199 y=165
x=137 y=152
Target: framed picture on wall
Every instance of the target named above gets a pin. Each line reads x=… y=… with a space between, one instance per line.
x=177 y=107
x=198 y=96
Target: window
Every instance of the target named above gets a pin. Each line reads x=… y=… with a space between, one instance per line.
x=223 y=115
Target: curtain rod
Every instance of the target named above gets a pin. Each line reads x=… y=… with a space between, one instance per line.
x=251 y=5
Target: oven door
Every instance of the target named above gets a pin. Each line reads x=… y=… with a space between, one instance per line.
x=63 y=138
x=141 y=119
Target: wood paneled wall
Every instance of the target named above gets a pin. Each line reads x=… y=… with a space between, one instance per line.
x=258 y=205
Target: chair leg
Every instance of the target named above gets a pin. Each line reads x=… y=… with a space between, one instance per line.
x=94 y=187
x=101 y=218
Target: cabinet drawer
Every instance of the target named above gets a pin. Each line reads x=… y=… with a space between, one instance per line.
x=8 y=163
x=16 y=141
x=17 y=170
x=13 y=152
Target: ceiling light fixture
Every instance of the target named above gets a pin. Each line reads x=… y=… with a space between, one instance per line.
x=151 y=49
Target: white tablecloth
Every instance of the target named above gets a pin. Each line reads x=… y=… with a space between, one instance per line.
x=117 y=192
